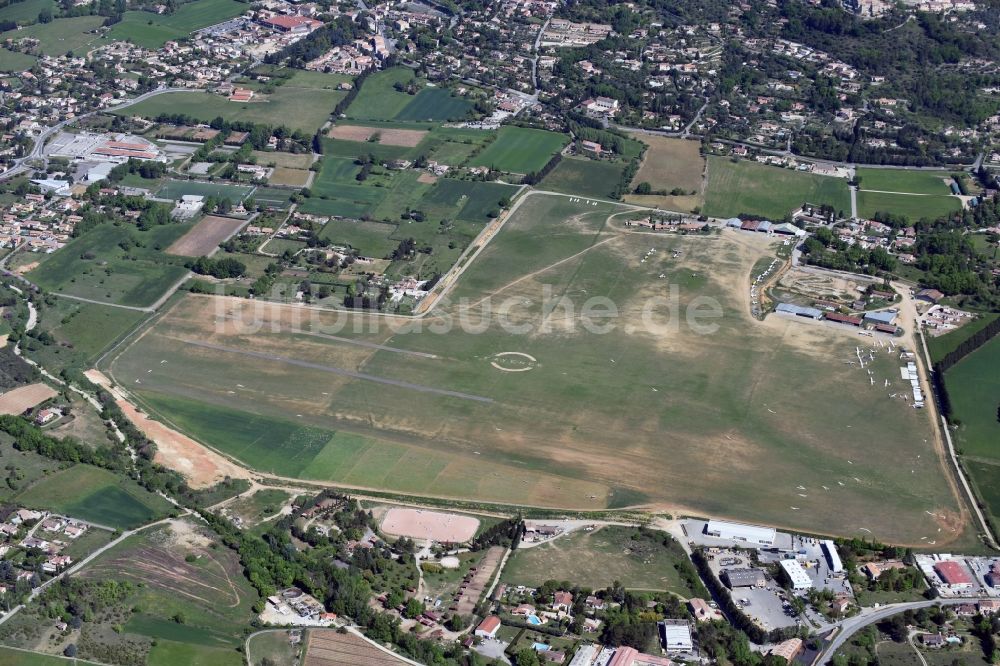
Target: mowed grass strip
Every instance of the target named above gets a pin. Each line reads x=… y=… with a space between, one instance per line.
x=913 y=206
x=905 y=180
x=97 y=495
x=152 y=31
x=767 y=191
x=520 y=150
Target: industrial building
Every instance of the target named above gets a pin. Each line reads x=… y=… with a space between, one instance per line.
x=722 y=529
x=676 y=636
x=799 y=311
x=953 y=575
x=800 y=579
x=832 y=556
x=735 y=578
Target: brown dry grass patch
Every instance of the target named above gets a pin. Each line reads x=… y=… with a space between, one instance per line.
x=25 y=397
x=670 y=163
x=406 y=138
x=288 y=176
x=205 y=236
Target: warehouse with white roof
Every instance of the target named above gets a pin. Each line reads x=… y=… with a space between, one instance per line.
x=800 y=579
x=722 y=529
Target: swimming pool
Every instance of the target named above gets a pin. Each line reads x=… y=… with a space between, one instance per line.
x=534 y=619
x=540 y=647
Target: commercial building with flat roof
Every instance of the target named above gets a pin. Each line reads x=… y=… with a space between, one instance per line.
x=722 y=529
x=744 y=578
x=676 y=636
x=830 y=548
x=800 y=579
x=953 y=574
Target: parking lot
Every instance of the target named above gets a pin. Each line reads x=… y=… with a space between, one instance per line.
x=766 y=604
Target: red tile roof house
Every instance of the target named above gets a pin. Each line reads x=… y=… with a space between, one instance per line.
x=488 y=627
x=562 y=601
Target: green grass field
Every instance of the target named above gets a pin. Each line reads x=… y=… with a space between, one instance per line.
x=377 y=100
x=586 y=177
x=12 y=61
x=95 y=266
x=436 y=104
x=175 y=189
x=96 y=495
x=11 y=657
x=371 y=239
x=903 y=180
x=520 y=150
x=26 y=11
x=597 y=559
x=640 y=414
x=63 y=35
x=912 y=206
x=151 y=31
x=301 y=108
x=271 y=645
x=758 y=189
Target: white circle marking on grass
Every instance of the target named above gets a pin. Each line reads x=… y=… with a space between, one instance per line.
x=450 y=562
x=528 y=360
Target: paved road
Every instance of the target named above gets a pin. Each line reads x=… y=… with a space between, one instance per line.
x=868 y=616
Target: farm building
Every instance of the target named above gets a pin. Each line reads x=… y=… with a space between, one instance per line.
x=787 y=229
x=740 y=532
x=676 y=636
x=488 y=627
x=800 y=579
x=953 y=575
x=832 y=556
x=929 y=295
x=734 y=223
x=799 y=311
x=735 y=578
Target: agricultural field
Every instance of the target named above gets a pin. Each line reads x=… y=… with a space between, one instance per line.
x=520 y=150
x=299 y=108
x=913 y=206
x=670 y=163
x=378 y=100
x=582 y=176
x=151 y=31
x=95 y=266
x=286 y=160
x=767 y=191
x=81 y=331
x=205 y=236
x=905 y=180
x=638 y=560
x=371 y=239
x=289 y=177
x=974 y=389
x=501 y=394
x=63 y=35
x=13 y=61
x=27 y=468
x=97 y=495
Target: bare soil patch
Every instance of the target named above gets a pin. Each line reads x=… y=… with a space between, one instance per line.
x=428 y=178
x=200 y=466
x=27 y=268
x=205 y=236
x=472 y=589
x=25 y=397
x=432 y=525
